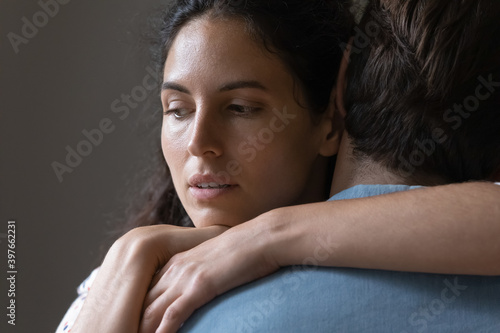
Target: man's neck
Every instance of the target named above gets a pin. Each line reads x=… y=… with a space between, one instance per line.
x=351 y=170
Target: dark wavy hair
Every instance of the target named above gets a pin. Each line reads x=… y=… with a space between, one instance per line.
x=419 y=63
x=306 y=35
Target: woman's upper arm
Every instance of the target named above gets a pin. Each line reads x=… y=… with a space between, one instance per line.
x=69 y=318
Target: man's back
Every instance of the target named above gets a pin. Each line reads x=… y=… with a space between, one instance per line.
x=319 y=299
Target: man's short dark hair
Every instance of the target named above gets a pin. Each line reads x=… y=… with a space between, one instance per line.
x=423 y=91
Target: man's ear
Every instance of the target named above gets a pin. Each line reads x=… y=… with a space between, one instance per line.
x=333 y=128
x=342 y=80
x=336 y=111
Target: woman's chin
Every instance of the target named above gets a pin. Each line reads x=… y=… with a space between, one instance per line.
x=211 y=218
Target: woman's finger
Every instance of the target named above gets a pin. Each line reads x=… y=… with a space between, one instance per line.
x=178 y=312
x=161 y=273
x=154 y=312
x=158 y=286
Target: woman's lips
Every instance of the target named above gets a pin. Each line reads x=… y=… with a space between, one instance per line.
x=209 y=192
x=211 y=186
x=208 y=187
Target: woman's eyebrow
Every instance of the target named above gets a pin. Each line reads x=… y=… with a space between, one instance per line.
x=226 y=87
x=241 y=85
x=174 y=86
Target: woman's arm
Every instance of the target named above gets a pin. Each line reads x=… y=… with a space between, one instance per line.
x=451 y=229
x=115 y=300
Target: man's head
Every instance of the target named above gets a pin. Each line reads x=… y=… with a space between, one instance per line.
x=423 y=88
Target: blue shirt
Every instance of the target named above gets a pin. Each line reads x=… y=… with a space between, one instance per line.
x=325 y=299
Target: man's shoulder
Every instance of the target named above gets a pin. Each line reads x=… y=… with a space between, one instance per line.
x=363 y=191
x=326 y=299
x=320 y=299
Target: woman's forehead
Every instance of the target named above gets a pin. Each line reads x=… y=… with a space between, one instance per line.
x=222 y=51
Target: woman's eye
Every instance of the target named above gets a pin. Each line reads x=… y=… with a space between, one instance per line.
x=177 y=113
x=244 y=110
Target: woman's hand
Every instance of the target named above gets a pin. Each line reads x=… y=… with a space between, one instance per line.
x=115 y=300
x=193 y=278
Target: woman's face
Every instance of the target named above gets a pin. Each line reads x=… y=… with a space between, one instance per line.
x=234 y=137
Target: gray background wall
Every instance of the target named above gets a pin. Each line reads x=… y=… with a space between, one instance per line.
x=63 y=81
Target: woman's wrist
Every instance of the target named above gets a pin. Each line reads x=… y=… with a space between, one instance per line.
x=278 y=235
x=302 y=235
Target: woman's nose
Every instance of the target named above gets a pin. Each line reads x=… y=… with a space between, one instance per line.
x=206 y=135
